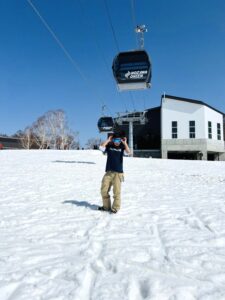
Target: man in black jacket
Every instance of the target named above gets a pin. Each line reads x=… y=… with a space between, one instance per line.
x=115 y=147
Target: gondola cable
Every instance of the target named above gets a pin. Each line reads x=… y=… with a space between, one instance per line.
x=111 y=25
x=65 y=51
x=133 y=16
x=134 y=19
x=91 y=26
x=97 y=44
x=60 y=44
x=105 y=117
x=113 y=33
x=105 y=122
x=132 y=99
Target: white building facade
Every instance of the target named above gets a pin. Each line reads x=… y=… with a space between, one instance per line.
x=191 y=129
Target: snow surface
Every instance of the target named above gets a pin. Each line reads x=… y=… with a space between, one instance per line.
x=166 y=243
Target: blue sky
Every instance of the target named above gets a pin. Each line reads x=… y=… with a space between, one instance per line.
x=185 y=40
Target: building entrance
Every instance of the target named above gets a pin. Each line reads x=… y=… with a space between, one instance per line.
x=182 y=155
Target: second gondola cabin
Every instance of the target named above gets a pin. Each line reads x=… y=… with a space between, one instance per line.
x=132 y=70
x=105 y=124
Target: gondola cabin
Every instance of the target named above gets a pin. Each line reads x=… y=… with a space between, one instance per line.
x=132 y=70
x=105 y=124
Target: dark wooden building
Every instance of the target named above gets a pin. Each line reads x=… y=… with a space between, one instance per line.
x=10 y=143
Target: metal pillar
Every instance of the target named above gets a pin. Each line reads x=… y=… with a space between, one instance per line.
x=131 y=138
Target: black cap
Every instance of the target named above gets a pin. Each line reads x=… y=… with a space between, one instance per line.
x=119 y=134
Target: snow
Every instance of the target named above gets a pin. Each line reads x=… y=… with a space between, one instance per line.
x=166 y=243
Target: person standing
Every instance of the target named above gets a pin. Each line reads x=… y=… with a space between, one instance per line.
x=115 y=147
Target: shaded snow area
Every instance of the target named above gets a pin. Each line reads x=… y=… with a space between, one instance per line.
x=166 y=243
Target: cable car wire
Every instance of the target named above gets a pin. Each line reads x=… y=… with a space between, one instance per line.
x=114 y=36
x=115 y=40
x=111 y=25
x=91 y=26
x=60 y=44
x=63 y=48
x=134 y=19
x=66 y=52
x=94 y=35
x=132 y=99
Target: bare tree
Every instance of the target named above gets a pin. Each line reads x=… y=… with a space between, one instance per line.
x=52 y=127
x=18 y=134
x=27 y=139
x=50 y=131
x=72 y=140
x=40 y=131
x=62 y=129
x=93 y=143
x=56 y=129
x=3 y=135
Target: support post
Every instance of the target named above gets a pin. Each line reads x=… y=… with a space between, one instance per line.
x=131 y=139
x=130 y=119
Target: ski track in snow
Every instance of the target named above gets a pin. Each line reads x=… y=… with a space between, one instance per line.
x=166 y=243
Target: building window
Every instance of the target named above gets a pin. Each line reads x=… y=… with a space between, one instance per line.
x=209 y=129
x=192 y=129
x=218 y=131
x=174 y=129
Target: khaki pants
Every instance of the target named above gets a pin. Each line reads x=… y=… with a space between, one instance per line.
x=111 y=179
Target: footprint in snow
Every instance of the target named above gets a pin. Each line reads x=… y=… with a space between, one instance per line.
x=144 y=289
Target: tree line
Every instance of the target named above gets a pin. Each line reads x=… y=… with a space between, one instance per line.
x=51 y=131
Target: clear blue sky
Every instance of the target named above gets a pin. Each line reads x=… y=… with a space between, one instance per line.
x=186 y=43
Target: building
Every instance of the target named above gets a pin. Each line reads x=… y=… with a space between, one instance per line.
x=190 y=129
x=146 y=137
x=10 y=143
x=180 y=128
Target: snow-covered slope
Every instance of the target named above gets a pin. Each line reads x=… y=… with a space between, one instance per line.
x=166 y=243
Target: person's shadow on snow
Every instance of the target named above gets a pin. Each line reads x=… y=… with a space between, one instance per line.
x=82 y=203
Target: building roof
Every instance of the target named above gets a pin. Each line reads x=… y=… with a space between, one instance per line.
x=137 y=113
x=191 y=101
x=153 y=108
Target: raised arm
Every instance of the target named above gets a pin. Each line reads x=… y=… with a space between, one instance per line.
x=126 y=147
x=105 y=143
